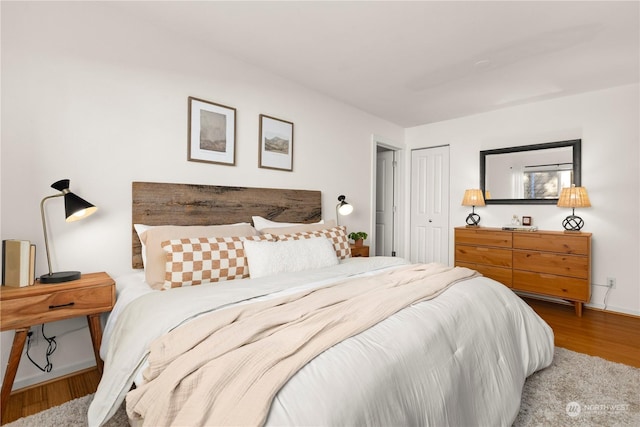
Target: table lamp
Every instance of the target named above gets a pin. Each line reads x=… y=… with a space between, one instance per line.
x=75 y=208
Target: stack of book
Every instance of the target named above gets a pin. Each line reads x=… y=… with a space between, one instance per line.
x=520 y=228
x=18 y=263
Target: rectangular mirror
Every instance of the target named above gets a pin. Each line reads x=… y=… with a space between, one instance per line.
x=529 y=174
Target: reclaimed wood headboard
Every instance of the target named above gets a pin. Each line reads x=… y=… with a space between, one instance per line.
x=189 y=204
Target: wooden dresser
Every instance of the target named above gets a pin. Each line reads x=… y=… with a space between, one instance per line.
x=549 y=263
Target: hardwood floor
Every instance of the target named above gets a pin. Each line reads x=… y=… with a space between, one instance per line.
x=31 y=400
x=608 y=335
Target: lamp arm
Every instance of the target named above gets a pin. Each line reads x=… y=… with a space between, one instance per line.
x=44 y=228
x=338 y=214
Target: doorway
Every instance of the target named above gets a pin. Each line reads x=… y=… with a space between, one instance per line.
x=386 y=173
x=387 y=165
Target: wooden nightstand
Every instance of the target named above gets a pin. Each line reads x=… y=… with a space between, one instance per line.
x=24 y=307
x=357 y=251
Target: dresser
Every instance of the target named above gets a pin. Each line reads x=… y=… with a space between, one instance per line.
x=549 y=263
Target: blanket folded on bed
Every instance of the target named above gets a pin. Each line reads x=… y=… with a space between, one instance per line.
x=225 y=368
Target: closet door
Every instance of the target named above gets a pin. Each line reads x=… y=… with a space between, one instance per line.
x=430 y=205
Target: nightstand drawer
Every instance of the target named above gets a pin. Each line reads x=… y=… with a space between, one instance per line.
x=56 y=305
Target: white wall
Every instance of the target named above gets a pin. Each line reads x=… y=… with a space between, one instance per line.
x=102 y=100
x=608 y=123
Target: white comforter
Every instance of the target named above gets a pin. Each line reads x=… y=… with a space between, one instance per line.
x=459 y=359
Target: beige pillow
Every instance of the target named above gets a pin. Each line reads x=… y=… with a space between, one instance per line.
x=154 y=268
x=299 y=228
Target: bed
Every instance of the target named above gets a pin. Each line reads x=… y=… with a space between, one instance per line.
x=304 y=334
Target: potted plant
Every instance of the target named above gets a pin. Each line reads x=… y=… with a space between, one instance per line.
x=358 y=237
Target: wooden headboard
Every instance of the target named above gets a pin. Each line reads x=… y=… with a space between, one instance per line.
x=188 y=204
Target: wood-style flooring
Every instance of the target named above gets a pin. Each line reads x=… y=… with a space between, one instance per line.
x=608 y=335
x=612 y=336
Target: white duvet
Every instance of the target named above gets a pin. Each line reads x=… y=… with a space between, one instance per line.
x=459 y=359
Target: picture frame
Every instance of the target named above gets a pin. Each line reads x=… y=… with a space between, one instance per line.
x=212 y=132
x=526 y=220
x=275 y=150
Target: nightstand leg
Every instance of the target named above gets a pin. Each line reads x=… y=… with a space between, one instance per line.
x=12 y=366
x=96 y=337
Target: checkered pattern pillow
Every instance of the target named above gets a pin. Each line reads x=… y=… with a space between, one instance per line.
x=196 y=261
x=337 y=236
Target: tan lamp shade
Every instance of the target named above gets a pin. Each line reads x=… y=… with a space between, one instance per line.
x=473 y=197
x=574 y=197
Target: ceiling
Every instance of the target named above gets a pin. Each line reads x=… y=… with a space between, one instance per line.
x=418 y=62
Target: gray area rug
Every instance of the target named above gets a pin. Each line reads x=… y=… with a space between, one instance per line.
x=576 y=390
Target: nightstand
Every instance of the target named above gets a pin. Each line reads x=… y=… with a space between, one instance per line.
x=24 y=307
x=357 y=251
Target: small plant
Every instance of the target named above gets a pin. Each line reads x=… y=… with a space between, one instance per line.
x=357 y=235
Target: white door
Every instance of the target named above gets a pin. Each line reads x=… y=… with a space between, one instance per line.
x=430 y=205
x=385 y=204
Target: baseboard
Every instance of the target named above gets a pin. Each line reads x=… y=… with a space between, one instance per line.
x=613 y=309
x=49 y=376
x=591 y=306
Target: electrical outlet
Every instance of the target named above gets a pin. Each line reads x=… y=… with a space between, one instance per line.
x=611 y=282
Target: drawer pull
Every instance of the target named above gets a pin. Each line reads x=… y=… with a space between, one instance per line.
x=53 y=307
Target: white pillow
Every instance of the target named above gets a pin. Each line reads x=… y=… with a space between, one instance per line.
x=269 y=258
x=260 y=223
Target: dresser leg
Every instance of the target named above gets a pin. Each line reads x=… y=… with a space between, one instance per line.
x=96 y=338
x=578 y=306
x=12 y=367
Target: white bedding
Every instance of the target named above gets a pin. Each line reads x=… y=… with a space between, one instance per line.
x=459 y=359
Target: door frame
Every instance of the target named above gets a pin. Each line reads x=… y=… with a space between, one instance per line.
x=398 y=223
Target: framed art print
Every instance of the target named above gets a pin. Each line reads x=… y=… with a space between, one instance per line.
x=276 y=144
x=212 y=132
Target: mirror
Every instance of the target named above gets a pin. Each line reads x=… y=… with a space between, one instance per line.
x=529 y=174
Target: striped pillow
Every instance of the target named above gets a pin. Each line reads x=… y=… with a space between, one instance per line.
x=196 y=261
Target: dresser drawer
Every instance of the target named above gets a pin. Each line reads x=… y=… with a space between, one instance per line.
x=56 y=305
x=557 y=242
x=483 y=255
x=499 y=274
x=552 y=285
x=552 y=263
x=483 y=237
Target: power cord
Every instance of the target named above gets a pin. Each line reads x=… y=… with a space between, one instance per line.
x=51 y=347
x=606 y=295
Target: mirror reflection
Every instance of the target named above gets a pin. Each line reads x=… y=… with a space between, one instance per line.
x=529 y=174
